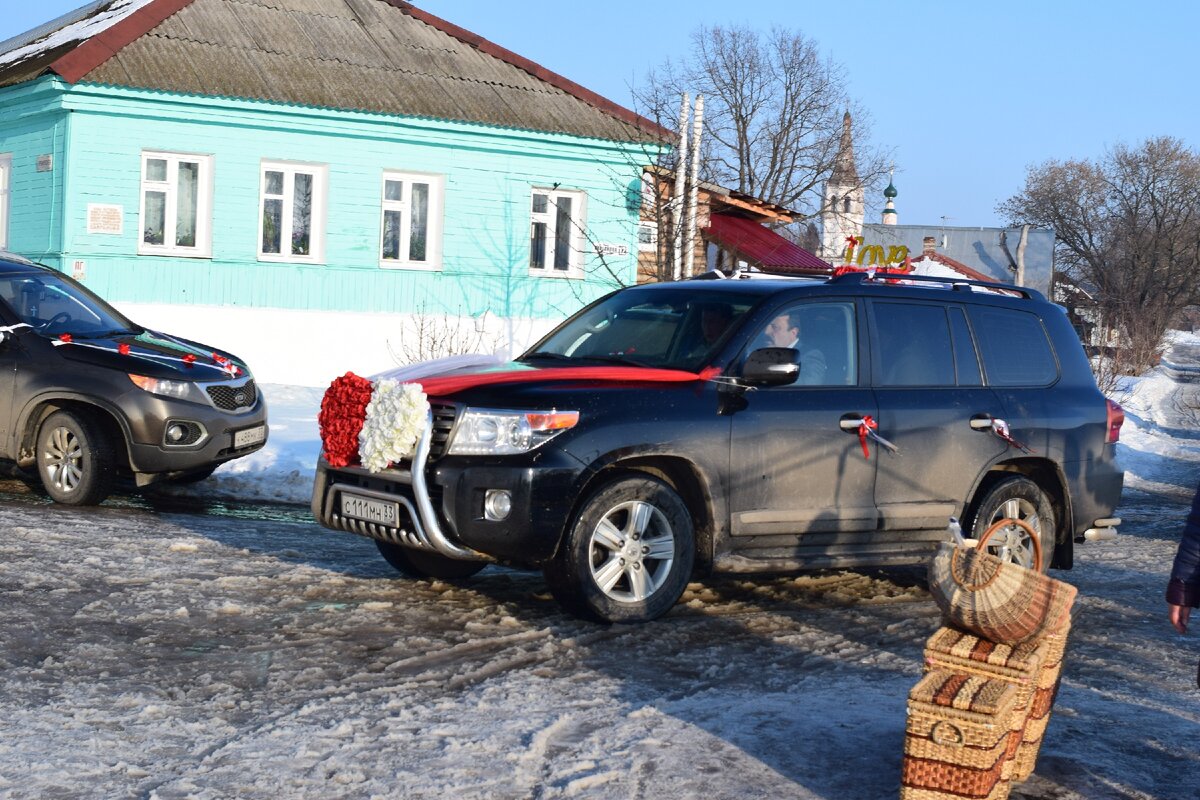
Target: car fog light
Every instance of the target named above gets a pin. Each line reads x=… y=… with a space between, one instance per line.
x=175 y=433
x=497 y=504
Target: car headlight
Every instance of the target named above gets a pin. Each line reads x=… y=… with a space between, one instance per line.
x=486 y=431
x=180 y=390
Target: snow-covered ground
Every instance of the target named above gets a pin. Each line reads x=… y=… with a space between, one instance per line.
x=163 y=655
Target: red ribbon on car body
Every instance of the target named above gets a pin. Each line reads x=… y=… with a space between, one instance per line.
x=867 y=428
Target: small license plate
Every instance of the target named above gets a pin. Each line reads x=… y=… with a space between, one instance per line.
x=368 y=510
x=249 y=436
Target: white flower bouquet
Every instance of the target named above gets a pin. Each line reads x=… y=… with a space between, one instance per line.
x=395 y=421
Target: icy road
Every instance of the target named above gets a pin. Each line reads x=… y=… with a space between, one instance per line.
x=160 y=655
x=146 y=653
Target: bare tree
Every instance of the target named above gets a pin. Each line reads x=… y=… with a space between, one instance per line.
x=773 y=113
x=1128 y=226
x=427 y=336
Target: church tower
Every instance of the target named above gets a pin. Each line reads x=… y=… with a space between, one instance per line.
x=843 y=210
x=889 y=208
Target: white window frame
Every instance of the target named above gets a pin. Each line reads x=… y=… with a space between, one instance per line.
x=578 y=232
x=316 y=242
x=433 y=229
x=170 y=187
x=5 y=189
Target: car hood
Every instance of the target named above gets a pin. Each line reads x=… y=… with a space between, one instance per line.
x=156 y=355
x=542 y=384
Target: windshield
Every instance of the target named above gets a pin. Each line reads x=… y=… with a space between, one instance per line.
x=672 y=329
x=53 y=305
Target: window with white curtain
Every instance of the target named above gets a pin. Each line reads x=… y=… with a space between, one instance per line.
x=557 y=238
x=176 y=205
x=292 y=220
x=411 y=223
x=5 y=183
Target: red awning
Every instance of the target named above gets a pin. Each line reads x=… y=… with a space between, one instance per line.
x=760 y=246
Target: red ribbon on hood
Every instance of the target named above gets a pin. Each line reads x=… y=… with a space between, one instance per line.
x=443 y=385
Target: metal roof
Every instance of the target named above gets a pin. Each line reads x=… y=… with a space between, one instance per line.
x=761 y=246
x=382 y=56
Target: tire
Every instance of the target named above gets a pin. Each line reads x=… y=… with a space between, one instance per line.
x=1020 y=498
x=421 y=564
x=628 y=555
x=75 y=459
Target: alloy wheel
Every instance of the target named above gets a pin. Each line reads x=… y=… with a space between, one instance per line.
x=631 y=551
x=1012 y=542
x=63 y=459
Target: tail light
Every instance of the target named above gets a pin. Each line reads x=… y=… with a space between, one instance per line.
x=1116 y=418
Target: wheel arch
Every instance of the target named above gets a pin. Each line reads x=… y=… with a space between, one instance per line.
x=678 y=473
x=111 y=422
x=1050 y=479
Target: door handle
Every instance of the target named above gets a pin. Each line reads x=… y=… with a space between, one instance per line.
x=865 y=427
x=982 y=422
x=850 y=422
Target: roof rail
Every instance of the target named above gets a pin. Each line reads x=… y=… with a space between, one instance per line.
x=955 y=284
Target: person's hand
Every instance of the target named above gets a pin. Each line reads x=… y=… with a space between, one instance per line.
x=1179 y=617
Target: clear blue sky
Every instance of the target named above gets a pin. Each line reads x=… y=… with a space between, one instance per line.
x=965 y=95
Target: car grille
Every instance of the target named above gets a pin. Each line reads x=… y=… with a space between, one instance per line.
x=233 y=398
x=444 y=415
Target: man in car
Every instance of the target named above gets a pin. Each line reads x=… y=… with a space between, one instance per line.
x=784 y=331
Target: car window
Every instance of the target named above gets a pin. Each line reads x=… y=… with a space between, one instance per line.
x=1015 y=348
x=966 y=359
x=678 y=328
x=914 y=345
x=53 y=305
x=825 y=335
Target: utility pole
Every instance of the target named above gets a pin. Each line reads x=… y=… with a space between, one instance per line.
x=689 y=247
x=677 y=199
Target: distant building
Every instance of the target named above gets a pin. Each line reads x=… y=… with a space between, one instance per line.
x=208 y=164
x=1022 y=255
x=734 y=233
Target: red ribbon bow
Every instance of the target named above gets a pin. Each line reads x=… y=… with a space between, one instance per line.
x=865 y=427
x=189 y=359
x=66 y=337
x=123 y=349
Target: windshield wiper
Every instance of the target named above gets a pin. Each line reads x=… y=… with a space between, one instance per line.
x=103 y=334
x=545 y=354
x=614 y=359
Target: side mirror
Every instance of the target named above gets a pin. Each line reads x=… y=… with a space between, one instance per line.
x=772 y=366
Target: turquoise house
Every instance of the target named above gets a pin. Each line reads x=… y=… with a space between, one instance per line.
x=304 y=170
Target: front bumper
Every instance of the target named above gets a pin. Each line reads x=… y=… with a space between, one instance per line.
x=227 y=434
x=440 y=508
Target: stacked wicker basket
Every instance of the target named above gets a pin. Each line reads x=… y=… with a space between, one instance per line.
x=977 y=718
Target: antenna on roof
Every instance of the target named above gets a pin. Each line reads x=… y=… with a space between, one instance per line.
x=945 y=240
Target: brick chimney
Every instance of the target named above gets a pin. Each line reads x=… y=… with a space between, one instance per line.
x=928 y=247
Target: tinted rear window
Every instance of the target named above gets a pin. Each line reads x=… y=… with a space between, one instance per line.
x=914 y=345
x=1015 y=349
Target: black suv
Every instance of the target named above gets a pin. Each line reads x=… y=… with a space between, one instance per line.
x=86 y=395
x=826 y=423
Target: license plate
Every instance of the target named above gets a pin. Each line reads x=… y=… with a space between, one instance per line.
x=368 y=510
x=249 y=436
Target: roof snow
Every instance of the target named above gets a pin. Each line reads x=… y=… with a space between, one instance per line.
x=74 y=26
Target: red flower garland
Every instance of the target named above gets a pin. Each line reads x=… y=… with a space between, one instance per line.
x=343 y=411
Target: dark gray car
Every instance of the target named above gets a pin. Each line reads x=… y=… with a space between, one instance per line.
x=86 y=395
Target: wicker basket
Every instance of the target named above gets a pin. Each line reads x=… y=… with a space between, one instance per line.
x=1039 y=709
x=959 y=651
x=959 y=737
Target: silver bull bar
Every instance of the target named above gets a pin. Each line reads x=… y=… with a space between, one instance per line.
x=427 y=533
